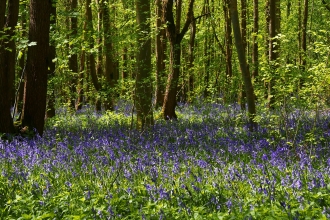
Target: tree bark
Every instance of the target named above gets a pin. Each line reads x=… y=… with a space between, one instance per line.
x=255 y=53
x=175 y=37
x=273 y=46
x=191 y=59
x=110 y=68
x=160 y=56
x=99 y=66
x=10 y=55
x=242 y=95
x=267 y=41
x=143 y=96
x=73 y=58
x=6 y=123
x=228 y=39
x=243 y=64
x=35 y=89
x=50 y=112
x=82 y=70
x=304 y=35
x=91 y=57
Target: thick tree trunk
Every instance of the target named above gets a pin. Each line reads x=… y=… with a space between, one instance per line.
x=6 y=123
x=243 y=64
x=35 y=89
x=50 y=112
x=143 y=96
x=175 y=37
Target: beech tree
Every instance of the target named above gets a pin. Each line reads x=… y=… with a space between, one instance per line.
x=243 y=64
x=6 y=124
x=143 y=94
x=35 y=88
x=175 y=35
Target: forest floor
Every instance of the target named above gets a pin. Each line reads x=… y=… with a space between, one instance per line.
x=206 y=165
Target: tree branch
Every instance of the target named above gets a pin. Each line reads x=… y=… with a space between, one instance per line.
x=201 y=16
x=168 y=18
x=326 y=5
x=190 y=17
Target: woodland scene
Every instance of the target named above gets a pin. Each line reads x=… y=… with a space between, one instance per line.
x=164 y=109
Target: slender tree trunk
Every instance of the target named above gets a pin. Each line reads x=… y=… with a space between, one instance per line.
x=191 y=59
x=255 y=53
x=243 y=64
x=175 y=37
x=273 y=46
x=80 y=89
x=304 y=35
x=242 y=94
x=207 y=44
x=19 y=98
x=6 y=123
x=160 y=57
x=10 y=56
x=228 y=39
x=73 y=58
x=35 y=89
x=50 y=112
x=82 y=75
x=91 y=57
x=110 y=70
x=143 y=94
x=267 y=16
x=99 y=68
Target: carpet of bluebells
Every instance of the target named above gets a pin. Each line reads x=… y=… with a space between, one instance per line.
x=206 y=165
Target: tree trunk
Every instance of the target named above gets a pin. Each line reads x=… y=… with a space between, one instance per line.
x=91 y=57
x=73 y=58
x=50 y=112
x=243 y=64
x=175 y=37
x=19 y=98
x=255 y=53
x=160 y=56
x=228 y=39
x=10 y=55
x=110 y=69
x=6 y=123
x=35 y=89
x=242 y=95
x=273 y=47
x=267 y=15
x=80 y=83
x=143 y=96
x=99 y=68
x=191 y=59
x=304 y=35
x=207 y=48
